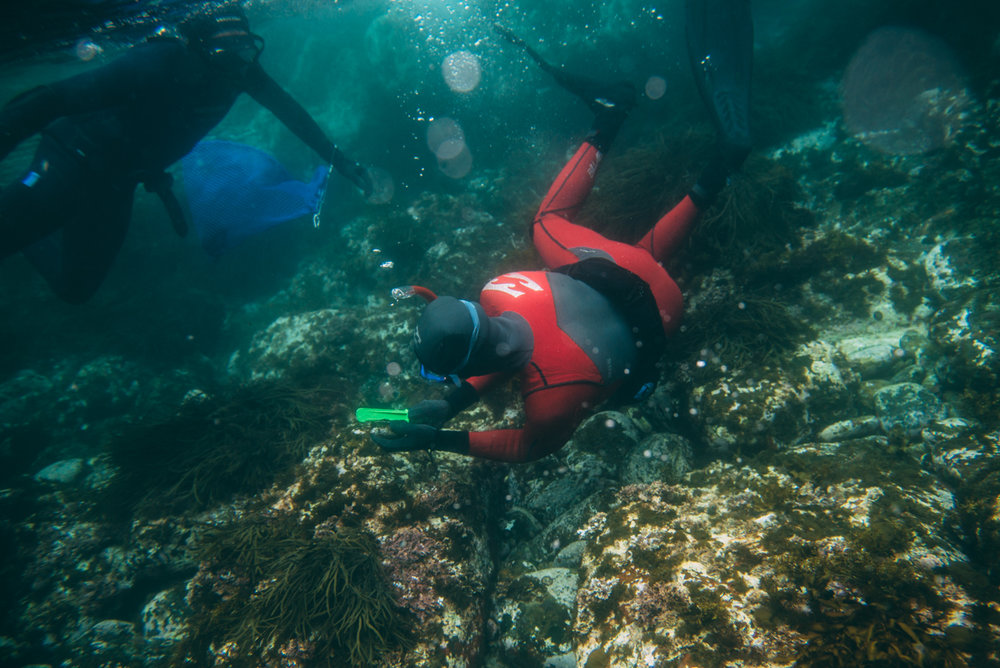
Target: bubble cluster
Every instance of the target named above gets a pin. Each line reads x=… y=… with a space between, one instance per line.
x=462 y=71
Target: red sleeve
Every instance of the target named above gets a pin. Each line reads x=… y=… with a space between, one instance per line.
x=484 y=383
x=552 y=416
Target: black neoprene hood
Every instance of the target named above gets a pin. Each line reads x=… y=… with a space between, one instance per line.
x=443 y=339
x=204 y=26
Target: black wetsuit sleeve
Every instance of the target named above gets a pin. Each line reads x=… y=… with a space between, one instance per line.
x=100 y=88
x=461 y=398
x=266 y=91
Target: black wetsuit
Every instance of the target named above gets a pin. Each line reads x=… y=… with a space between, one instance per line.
x=104 y=132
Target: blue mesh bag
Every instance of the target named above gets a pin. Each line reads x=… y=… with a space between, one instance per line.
x=235 y=191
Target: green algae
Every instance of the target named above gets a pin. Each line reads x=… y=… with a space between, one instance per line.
x=741 y=330
x=270 y=580
x=708 y=616
x=827 y=257
x=214 y=449
x=909 y=287
x=857 y=608
x=976 y=522
x=639 y=185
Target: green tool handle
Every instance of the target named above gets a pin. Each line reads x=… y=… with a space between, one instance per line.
x=372 y=414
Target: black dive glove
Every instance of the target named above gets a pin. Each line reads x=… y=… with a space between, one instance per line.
x=433 y=412
x=353 y=172
x=409 y=436
x=423 y=431
x=425 y=420
x=436 y=412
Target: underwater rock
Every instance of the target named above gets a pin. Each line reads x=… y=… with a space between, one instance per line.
x=571 y=555
x=941 y=431
x=350 y=343
x=165 y=616
x=548 y=500
x=533 y=617
x=88 y=581
x=907 y=406
x=428 y=518
x=967 y=457
x=451 y=242
x=65 y=471
x=659 y=456
x=748 y=414
x=22 y=397
x=776 y=405
x=766 y=562
x=873 y=355
x=296 y=344
x=971 y=463
x=111 y=641
x=968 y=338
x=953 y=276
x=104 y=387
x=843 y=430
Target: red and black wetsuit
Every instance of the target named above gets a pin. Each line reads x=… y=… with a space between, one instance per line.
x=582 y=345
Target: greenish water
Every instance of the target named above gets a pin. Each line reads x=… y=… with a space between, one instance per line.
x=826 y=419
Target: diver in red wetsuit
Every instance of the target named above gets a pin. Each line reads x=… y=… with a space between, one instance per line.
x=591 y=327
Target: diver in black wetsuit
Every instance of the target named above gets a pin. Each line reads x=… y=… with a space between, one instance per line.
x=105 y=131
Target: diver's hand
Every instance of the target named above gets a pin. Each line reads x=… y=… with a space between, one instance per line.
x=407 y=436
x=354 y=173
x=430 y=411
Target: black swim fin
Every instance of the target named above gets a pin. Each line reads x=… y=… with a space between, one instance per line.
x=720 y=46
x=600 y=97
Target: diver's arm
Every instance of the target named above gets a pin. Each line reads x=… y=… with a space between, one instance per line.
x=103 y=87
x=25 y=115
x=438 y=411
x=266 y=91
x=461 y=398
x=551 y=417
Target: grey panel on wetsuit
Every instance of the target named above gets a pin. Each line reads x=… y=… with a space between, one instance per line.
x=594 y=324
x=585 y=253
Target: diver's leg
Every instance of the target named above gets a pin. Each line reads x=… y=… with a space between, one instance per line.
x=75 y=262
x=613 y=99
x=570 y=189
x=720 y=47
x=559 y=240
x=36 y=205
x=568 y=192
x=670 y=230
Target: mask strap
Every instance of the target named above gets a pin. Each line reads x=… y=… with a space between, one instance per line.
x=475 y=332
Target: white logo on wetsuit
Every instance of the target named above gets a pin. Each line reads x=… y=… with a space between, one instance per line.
x=514 y=288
